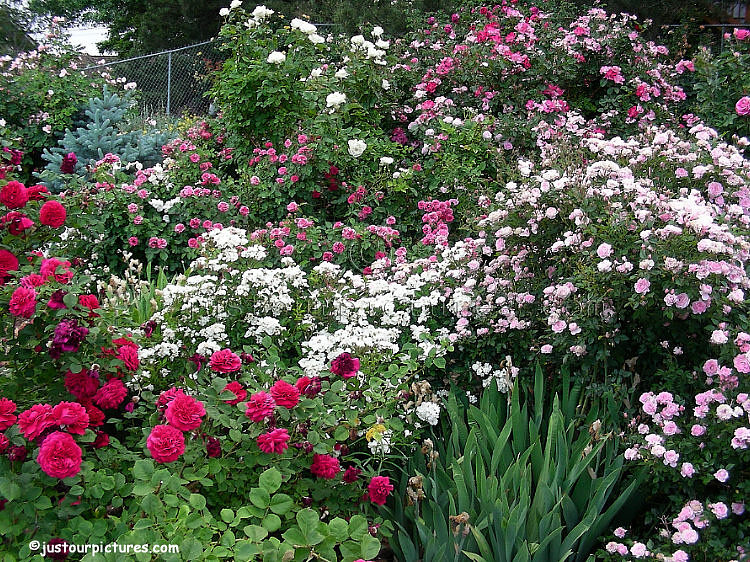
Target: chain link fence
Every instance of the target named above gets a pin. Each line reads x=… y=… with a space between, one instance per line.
x=171 y=82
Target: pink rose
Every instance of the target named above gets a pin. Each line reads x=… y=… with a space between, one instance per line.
x=275 y=441
x=742 y=107
x=165 y=443
x=60 y=456
x=185 y=412
x=225 y=361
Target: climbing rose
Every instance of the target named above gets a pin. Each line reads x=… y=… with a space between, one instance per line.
x=34 y=421
x=59 y=456
x=81 y=385
x=275 y=441
x=165 y=443
x=238 y=390
x=52 y=214
x=111 y=394
x=14 y=195
x=185 y=412
x=68 y=164
x=345 y=366
x=325 y=466
x=23 y=302
x=260 y=406
x=285 y=395
x=379 y=488
x=73 y=416
x=225 y=361
x=7 y=416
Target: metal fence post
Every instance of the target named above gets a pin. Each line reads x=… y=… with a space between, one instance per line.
x=169 y=79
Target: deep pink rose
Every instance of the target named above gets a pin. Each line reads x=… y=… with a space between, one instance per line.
x=260 y=406
x=101 y=441
x=128 y=354
x=285 y=394
x=52 y=214
x=34 y=421
x=185 y=412
x=743 y=106
x=23 y=302
x=275 y=441
x=224 y=361
x=111 y=394
x=166 y=397
x=325 y=466
x=81 y=385
x=238 y=390
x=345 y=366
x=60 y=456
x=72 y=416
x=351 y=474
x=14 y=195
x=165 y=443
x=379 y=488
x=7 y=415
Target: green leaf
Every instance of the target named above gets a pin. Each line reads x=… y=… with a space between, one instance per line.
x=255 y=533
x=197 y=501
x=281 y=504
x=9 y=490
x=245 y=550
x=271 y=523
x=143 y=469
x=270 y=480
x=259 y=497
x=191 y=549
x=370 y=547
x=339 y=529
x=227 y=515
x=358 y=527
x=309 y=521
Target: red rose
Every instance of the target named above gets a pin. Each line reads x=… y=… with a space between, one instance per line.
x=8 y=262
x=379 y=488
x=52 y=214
x=23 y=302
x=345 y=366
x=31 y=281
x=34 y=421
x=129 y=355
x=16 y=223
x=72 y=415
x=102 y=440
x=213 y=447
x=275 y=441
x=81 y=385
x=111 y=394
x=4 y=443
x=260 y=406
x=14 y=195
x=53 y=267
x=238 y=390
x=7 y=416
x=285 y=395
x=325 y=466
x=165 y=443
x=37 y=192
x=88 y=301
x=185 y=412
x=308 y=386
x=166 y=397
x=59 y=456
x=96 y=416
x=225 y=361
x=351 y=474
x=68 y=164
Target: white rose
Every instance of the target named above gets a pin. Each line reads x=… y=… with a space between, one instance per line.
x=377 y=31
x=335 y=100
x=276 y=57
x=316 y=39
x=357 y=147
x=224 y=12
x=341 y=73
x=386 y=160
x=235 y=4
x=303 y=26
x=385 y=84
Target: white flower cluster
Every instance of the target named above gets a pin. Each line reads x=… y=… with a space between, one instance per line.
x=429 y=412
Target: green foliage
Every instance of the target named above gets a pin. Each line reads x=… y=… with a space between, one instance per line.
x=514 y=480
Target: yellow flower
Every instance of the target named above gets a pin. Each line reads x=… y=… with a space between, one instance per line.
x=375 y=432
